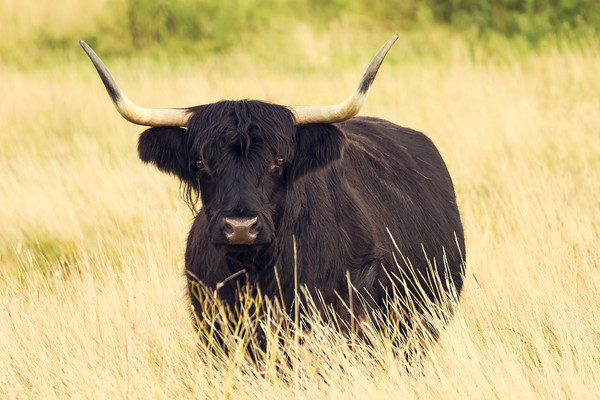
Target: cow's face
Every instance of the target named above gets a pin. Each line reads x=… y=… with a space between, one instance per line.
x=242 y=157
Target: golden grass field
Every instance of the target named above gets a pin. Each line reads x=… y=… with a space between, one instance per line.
x=92 y=292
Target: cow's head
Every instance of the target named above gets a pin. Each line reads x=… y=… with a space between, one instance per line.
x=241 y=156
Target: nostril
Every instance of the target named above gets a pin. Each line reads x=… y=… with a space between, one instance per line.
x=254 y=228
x=228 y=227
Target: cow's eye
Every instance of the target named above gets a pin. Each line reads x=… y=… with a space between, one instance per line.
x=199 y=164
x=275 y=168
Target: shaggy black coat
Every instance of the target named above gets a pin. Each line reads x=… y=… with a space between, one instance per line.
x=344 y=191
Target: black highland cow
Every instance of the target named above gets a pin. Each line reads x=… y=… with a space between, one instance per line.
x=340 y=187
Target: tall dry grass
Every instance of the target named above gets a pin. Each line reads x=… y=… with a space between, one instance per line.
x=92 y=292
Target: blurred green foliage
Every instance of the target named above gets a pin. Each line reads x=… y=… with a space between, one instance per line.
x=209 y=26
x=147 y=22
x=219 y=22
x=532 y=19
x=217 y=25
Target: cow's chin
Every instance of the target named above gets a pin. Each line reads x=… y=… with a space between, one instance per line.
x=243 y=253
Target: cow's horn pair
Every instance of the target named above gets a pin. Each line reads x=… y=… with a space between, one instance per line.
x=180 y=116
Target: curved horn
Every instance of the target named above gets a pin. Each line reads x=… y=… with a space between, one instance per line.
x=131 y=111
x=352 y=105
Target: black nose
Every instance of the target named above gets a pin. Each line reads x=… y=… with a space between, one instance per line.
x=241 y=230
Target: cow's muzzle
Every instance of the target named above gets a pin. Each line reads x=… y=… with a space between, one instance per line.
x=241 y=230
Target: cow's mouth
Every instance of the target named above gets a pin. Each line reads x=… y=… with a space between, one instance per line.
x=243 y=248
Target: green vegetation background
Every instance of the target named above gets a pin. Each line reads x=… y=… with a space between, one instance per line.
x=193 y=26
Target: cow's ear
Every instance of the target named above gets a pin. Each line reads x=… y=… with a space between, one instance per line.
x=317 y=145
x=166 y=148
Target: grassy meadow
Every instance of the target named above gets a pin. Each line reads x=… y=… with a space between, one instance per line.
x=92 y=291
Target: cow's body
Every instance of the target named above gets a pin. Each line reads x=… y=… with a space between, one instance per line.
x=390 y=181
